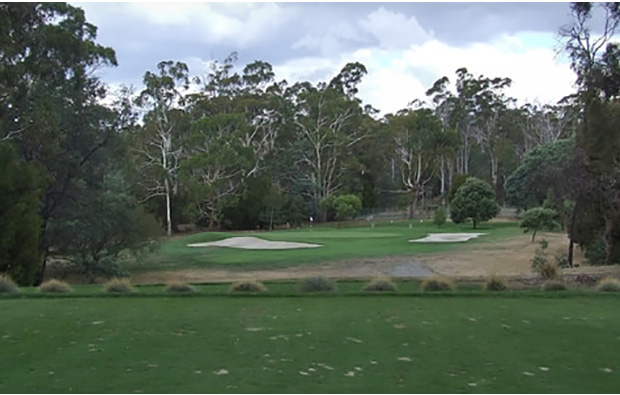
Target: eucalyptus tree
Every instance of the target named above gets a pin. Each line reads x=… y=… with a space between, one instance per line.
x=49 y=103
x=325 y=121
x=157 y=145
x=417 y=147
x=595 y=58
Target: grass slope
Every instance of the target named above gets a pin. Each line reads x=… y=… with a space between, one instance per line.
x=341 y=344
x=338 y=243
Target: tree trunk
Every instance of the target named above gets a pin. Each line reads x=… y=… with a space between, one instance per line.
x=571 y=231
x=212 y=217
x=44 y=249
x=271 y=220
x=443 y=181
x=475 y=223
x=570 y=251
x=414 y=204
x=533 y=235
x=168 y=215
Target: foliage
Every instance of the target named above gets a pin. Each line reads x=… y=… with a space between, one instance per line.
x=474 y=200
x=439 y=217
x=347 y=207
x=554 y=285
x=595 y=252
x=380 y=285
x=54 y=286
x=7 y=285
x=51 y=108
x=248 y=286
x=457 y=182
x=608 y=284
x=437 y=285
x=118 y=286
x=20 y=224
x=541 y=170
x=541 y=264
x=539 y=218
x=107 y=223
x=317 y=284
x=495 y=284
x=178 y=287
x=561 y=259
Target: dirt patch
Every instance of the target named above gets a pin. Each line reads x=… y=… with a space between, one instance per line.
x=509 y=258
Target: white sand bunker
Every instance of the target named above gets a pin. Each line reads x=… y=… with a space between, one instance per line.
x=447 y=237
x=254 y=243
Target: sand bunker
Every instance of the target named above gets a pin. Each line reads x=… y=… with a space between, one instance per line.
x=447 y=237
x=254 y=243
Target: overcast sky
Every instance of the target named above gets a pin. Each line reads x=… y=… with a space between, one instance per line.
x=404 y=46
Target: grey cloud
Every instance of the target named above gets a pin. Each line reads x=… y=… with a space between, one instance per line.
x=295 y=30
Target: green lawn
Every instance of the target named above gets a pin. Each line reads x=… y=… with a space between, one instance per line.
x=351 y=344
x=338 y=243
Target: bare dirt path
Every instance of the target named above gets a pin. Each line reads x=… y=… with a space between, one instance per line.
x=510 y=258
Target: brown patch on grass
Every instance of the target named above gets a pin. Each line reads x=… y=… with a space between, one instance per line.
x=508 y=258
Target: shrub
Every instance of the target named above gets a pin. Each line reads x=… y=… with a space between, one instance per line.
x=595 y=252
x=553 y=285
x=548 y=270
x=317 y=284
x=539 y=218
x=608 y=285
x=439 y=218
x=541 y=265
x=495 y=284
x=561 y=259
x=248 y=286
x=7 y=285
x=437 y=284
x=55 y=286
x=380 y=285
x=118 y=285
x=180 y=288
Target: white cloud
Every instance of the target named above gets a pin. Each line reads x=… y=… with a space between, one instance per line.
x=396 y=77
x=394 y=30
x=240 y=24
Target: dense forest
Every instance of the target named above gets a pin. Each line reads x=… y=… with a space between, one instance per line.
x=239 y=149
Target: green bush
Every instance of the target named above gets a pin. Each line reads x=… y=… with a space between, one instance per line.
x=439 y=218
x=380 y=285
x=554 y=285
x=248 y=286
x=608 y=284
x=7 y=285
x=495 y=284
x=55 y=286
x=317 y=284
x=180 y=288
x=437 y=285
x=561 y=259
x=595 y=252
x=119 y=286
x=347 y=207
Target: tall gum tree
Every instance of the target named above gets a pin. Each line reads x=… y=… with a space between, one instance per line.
x=157 y=144
x=326 y=126
x=49 y=102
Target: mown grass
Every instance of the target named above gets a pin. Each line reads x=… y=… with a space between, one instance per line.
x=347 y=344
x=385 y=239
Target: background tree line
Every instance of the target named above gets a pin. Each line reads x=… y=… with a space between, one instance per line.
x=239 y=149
